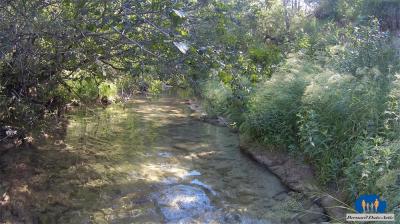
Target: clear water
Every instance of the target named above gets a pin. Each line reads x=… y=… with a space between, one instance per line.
x=124 y=164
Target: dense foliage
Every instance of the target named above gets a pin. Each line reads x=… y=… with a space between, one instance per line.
x=54 y=49
x=315 y=77
x=331 y=96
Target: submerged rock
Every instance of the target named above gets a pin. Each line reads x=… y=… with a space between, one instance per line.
x=182 y=201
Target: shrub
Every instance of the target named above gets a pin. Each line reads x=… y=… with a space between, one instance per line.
x=273 y=108
x=267 y=56
x=375 y=169
x=216 y=97
x=365 y=47
x=337 y=111
x=237 y=104
x=226 y=94
x=155 y=86
x=108 y=89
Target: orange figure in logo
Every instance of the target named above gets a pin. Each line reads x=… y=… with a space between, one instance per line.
x=363 y=204
x=376 y=205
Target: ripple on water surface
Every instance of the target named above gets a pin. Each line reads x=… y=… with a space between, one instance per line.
x=148 y=162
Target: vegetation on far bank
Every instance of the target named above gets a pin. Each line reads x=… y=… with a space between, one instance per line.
x=330 y=96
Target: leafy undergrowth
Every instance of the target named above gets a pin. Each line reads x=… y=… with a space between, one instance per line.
x=337 y=107
x=345 y=126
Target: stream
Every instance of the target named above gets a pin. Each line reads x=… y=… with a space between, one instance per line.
x=149 y=161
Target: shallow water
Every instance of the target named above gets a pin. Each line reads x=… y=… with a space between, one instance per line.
x=150 y=162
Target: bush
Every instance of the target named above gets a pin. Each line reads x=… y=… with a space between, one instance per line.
x=273 y=108
x=372 y=166
x=337 y=111
x=216 y=97
x=128 y=84
x=375 y=169
x=324 y=115
x=241 y=87
x=365 y=47
x=267 y=56
x=226 y=94
x=108 y=89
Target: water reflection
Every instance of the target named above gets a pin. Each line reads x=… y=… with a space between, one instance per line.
x=149 y=162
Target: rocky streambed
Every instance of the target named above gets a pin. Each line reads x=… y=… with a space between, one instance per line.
x=149 y=161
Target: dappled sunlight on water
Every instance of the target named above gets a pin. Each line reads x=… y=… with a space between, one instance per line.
x=149 y=162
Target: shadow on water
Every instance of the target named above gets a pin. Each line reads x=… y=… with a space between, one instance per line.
x=149 y=162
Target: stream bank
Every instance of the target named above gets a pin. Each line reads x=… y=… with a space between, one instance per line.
x=297 y=176
x=293 y=172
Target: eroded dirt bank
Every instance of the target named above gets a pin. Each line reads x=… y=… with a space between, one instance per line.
x=296 y=175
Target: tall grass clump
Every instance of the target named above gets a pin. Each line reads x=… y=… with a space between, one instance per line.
x=339 y=110
x=345 y=125
x=272 y=110
x=351 y=108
